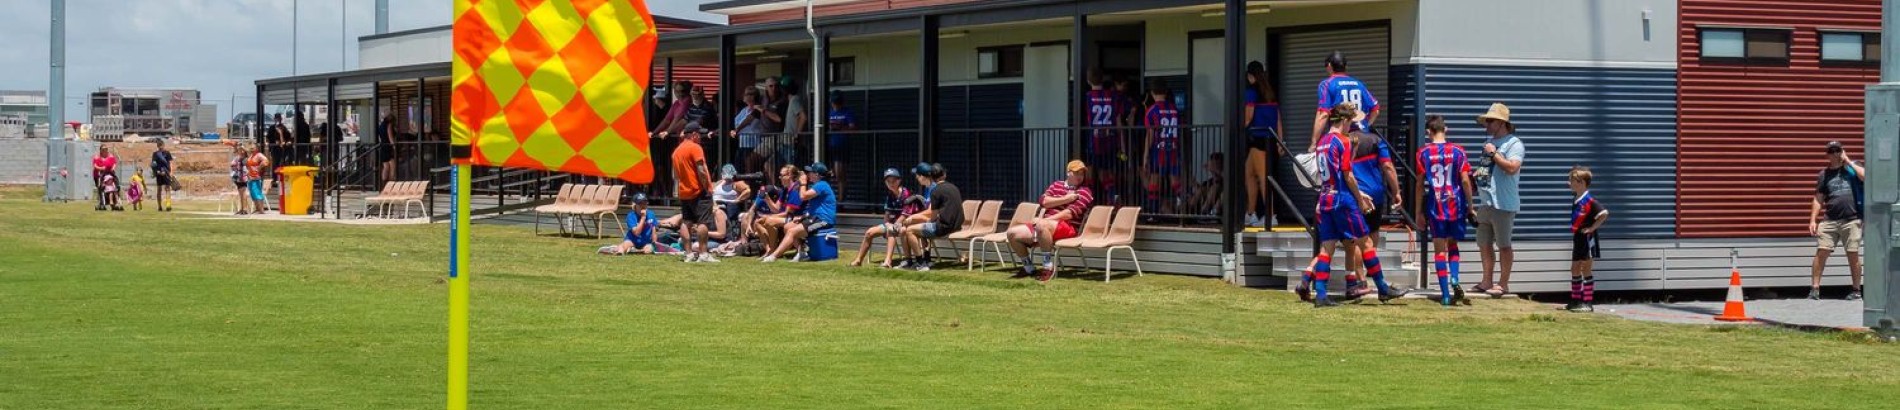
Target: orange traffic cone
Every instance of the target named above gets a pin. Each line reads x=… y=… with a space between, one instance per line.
x=1733 y=311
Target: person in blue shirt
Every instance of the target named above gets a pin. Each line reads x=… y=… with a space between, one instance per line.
x=1339 y=88
x=1379 y=179
x=821 y=212
x=771 y=228
x=838 y=122
x=641 y=226
x=1262 y=115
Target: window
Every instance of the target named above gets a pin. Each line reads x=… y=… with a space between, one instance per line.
x=999 y=62
x=1850 y=47
x=844 y=71
x=1759 y=46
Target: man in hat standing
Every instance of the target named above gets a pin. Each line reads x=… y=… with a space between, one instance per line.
x=1840 y=194
x=1499 y=168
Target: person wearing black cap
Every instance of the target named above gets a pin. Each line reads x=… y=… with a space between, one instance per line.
x=898 y=205
x=942 y=214
x=692 y=181
x=1840 y=194
x=821 y=212
x=839 y=119
x=1339 y=88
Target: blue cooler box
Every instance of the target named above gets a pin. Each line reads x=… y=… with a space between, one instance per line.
x=823 y=245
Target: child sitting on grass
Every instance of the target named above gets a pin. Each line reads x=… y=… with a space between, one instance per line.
x=1586 y=218
x=640 y=228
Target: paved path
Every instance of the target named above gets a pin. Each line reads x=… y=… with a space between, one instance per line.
x=1830 y=313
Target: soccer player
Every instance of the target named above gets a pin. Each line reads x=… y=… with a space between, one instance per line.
x=899 y=205
x=1064 y=204
x=1163 y=160
x=1340 y=222
x=1586 y=218
x=1339 y=88
x=1448 y=179
x=1103 y=107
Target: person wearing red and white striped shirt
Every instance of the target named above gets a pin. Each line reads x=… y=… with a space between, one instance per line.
x=1064 y=204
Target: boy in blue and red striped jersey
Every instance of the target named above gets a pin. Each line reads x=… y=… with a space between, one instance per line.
x=1586 y=218
x=1104 y=108
x=1448 y=179
x=1162 y=163
x=1340 y=200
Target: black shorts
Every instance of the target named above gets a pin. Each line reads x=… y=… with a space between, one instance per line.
x=1262 y=144
x=1376 y=215
x=385 y=152
x=163 y=179
x=697 y=211
x=1585 y=247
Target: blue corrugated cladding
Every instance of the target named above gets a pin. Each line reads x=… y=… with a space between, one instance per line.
x=1619 y=122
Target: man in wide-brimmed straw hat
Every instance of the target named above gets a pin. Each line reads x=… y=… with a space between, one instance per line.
x=1497 y=201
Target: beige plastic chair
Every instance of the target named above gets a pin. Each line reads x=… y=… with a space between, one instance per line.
x=417 y=191
x=983 y=224
x=1025 y=212
x=1094 y=227
x=582 y=199
x=1121 y=235
x=607 y=205
x=561 y=198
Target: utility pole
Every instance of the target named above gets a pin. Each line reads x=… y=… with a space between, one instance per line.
x=293 y=37
x=56 y=102
x=343 y=48
x=1881 y=309
x=817 y=110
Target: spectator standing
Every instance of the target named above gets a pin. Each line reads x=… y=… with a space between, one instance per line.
x=1103 y=108
x=303 y=140
x=691 y=180
x=1498 y=200
x=255 y=167
x=796 y=119
x=1064 y=204
x=1839 y=197
x=103 y=165
x=162 y=176
x=386 y=146
x=1262 y=114
x=1162 y=162
x=239 y=179
x=942 y=214
x=749 y=126
x=839 y=120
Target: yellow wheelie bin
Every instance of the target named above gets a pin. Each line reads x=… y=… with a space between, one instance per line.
x=299 y=183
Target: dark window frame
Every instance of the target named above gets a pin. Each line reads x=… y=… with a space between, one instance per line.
x=1869 y=46
x=1749 y=35
x=1003 y=69
x=842 y=71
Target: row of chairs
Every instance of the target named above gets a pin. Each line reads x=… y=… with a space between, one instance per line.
x=1106 y=229
x=575 y=200
x=404 y=193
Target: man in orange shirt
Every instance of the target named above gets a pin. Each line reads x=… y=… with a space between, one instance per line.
x=691 y=178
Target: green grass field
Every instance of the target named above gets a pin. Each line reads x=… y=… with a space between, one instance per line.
x=172 y=311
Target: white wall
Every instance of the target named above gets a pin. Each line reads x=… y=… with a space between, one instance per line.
x=435 y=46
x=1167 y=40
x=1592 y=33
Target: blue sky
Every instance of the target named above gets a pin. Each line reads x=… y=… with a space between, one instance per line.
x=216 y=46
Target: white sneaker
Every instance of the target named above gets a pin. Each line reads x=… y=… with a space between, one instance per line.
x=800 y=257
x=1251 y=220
x=707 y=258
x=769 y=259
x=690 y=258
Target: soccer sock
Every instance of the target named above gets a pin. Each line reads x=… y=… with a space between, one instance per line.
x=1374 y=272
x=1589 y=289
x=1453 y=262
x=1352 y=281
x=1576 y=288
x=1322 y=272
x=1444 y=277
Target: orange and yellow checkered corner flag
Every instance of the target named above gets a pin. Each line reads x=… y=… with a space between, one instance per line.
x=554 y=85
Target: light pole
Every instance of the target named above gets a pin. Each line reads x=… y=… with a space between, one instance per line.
x=56 y=101
x=1881 y=308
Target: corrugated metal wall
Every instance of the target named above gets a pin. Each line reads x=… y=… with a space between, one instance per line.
x=1616 y=121
x=1751 y=135
x=701 y=75
x=1301 y=66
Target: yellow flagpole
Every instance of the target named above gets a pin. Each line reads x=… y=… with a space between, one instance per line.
x=458 y=290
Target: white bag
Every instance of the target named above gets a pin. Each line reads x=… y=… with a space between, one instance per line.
x=1307 y=166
